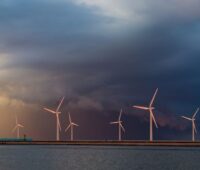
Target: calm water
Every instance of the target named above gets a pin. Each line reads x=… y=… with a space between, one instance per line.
x=98 y=158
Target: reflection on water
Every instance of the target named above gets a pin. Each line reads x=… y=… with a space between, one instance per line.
x=98 y=158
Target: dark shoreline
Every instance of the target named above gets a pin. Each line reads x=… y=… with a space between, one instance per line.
x=107 y=143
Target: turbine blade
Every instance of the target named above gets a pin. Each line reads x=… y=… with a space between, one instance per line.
x=67 y=127
x=195 y=113
x=195 y=129
x=75 y=124
x=151 y=112
x=141 y=107
x=122 y=127
x=120 y=115
x=184 y=117
x=13 y=130
x=61 y=101
x=49 y=110
x=70 y=120
x=114 y=122
x=19 y=125
x=154 y=96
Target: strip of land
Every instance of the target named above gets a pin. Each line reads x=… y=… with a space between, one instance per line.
x=107 y=143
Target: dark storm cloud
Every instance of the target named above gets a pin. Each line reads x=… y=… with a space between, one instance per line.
x=102 y=62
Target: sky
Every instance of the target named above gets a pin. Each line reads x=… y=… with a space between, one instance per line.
x=102 y=55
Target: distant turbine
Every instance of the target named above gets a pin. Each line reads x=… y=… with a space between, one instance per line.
x=152 y=118
x=194 y=130
x=119 y=122
x=57 y=113
x=71 y=127
x=17 y=127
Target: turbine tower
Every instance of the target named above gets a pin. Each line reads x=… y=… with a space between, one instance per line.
x=17 y=127
x=71 y=127
x=57 y=113
x=120 y=127
x=194 y=130
x=150 y=108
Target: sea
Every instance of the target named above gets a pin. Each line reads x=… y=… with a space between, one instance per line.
x=59 y=157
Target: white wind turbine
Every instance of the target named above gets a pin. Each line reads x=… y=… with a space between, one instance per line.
x=150 y=108
x=57 y=113
x=194 y=130
x=17 y=127
x=119 y=122
x=71 y=127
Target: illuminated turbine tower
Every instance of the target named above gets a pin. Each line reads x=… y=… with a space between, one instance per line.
x=57 y=113
x=194 y=130
x=119 y=122
x=17 y=127
x=71 y=127
x=150 y=108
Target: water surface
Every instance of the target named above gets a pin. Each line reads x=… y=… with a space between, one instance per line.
x=98 y=158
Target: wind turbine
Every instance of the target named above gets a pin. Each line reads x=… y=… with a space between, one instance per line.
x=71 y=127
x=57 y=113
x=194 y=130
x=119 y=122
x=150 y=108
x=17 y=127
